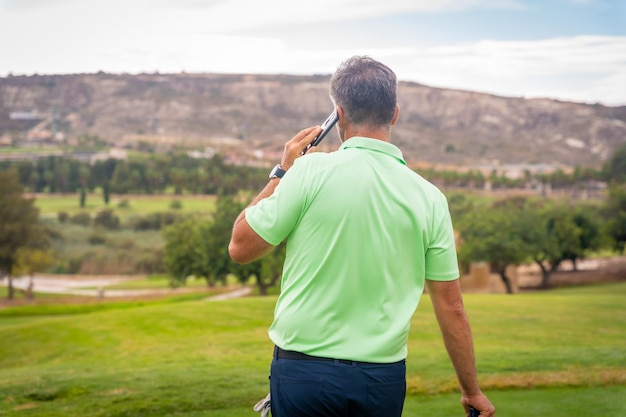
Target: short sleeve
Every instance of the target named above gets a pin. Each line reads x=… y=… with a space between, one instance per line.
x=275 y=217
x=441 y=257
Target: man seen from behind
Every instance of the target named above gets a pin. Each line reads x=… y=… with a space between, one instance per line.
x=365 y=234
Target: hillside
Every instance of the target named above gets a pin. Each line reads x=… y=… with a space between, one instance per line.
x=259 y=112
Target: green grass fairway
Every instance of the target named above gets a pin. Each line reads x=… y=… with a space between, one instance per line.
x=52 y=204
x=31 y=149
x=557 y=353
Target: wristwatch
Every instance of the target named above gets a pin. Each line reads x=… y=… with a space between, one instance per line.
x=277 y=172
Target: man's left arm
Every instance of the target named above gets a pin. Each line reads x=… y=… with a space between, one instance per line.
x=457 y=336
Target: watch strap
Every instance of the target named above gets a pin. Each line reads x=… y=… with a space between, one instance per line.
x=277 y=172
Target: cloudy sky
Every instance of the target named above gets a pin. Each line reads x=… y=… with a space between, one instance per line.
x=571 y=50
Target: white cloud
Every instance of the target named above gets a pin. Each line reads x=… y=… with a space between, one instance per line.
x=245 y=14
x=579 y=68
x=69 y=36
x=580 y=54
x=229 y=15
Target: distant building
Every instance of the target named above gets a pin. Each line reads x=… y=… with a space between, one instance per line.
x=517 y=171
x=26 y=115
x=93 y=157
x=208 y=153
x=83 y=156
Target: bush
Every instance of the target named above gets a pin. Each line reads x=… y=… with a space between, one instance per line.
x=150 y=262
x=82 y=218
x=59 y=268
x=107 y=219
x=176 y=205
x=98 y=237
x=62 y=216
x=155 y=221
x=75 y=263
x=126 y=244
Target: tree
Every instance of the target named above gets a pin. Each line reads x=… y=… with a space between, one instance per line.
x=536 y=231
x=266 y=271
x=28 y=261
x=516 y=230
x=179 y=177
x=106 y=192
x=494 y=235
x=566 y=235
x=271 y=269
x=194 y=247
x=590 y=237
x=615 y=168
x=557 y=232
x=615 y=212
x=180 y=254
x=18 y=225
x=217 y=237
x=199 y=247
x=106 y=218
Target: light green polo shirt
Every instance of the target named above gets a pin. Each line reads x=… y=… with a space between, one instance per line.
x=363 y=233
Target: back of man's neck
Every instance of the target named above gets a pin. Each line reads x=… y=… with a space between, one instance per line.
x=380 y=133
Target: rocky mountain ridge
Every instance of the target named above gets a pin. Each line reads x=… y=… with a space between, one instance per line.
x=258 y=113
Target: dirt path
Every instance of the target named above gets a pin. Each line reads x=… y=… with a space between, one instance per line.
x=242 y=292
x=97 y=287
x=590 y=271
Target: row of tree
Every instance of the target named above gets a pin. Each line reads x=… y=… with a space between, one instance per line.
x=506 y=233
x=512 y=231
x=148 y=174
x=521 y=230
x=158 y=173
x=476 y=179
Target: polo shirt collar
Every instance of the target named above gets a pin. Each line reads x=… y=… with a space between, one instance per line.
x=360 y=142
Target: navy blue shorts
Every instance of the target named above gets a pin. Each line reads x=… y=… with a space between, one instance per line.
x=333 y=388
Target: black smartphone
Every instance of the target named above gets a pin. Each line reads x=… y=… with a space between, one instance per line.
x=326 y=126
x=473 y=412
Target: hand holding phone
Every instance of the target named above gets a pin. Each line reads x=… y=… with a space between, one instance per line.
x=326 y=126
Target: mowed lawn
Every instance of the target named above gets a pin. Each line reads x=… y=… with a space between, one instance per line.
x=124 y=205
x=556 y=353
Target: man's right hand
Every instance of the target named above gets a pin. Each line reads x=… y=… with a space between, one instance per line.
x=293 y=148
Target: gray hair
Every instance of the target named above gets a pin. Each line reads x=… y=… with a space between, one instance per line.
x=366 y=90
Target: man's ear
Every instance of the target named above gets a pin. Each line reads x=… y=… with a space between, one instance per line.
x=341 y=123
x=341 y=114
x=396 y=115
